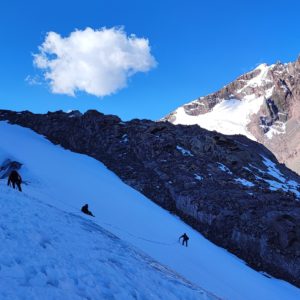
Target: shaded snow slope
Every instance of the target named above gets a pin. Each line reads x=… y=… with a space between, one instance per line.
x=67 y=180
x=50 y=254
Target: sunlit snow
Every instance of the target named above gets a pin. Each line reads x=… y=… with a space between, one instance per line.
x=228 y=117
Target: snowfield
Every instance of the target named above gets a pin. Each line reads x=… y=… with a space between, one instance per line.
x=49 y=250
x=227 y=117
x=51 y=254
x=232 y=116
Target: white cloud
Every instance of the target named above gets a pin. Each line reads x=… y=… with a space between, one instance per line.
x=97 y=62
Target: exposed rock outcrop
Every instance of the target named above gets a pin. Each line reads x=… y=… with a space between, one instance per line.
x=229 y=188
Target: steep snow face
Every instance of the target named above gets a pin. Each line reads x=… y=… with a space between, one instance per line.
x=229 y=111
x=47 y=253
x=231 y=115
x=228 y=117
x=62 y=181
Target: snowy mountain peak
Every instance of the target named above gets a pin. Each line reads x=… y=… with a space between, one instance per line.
x=259 y=78
x=263 y=104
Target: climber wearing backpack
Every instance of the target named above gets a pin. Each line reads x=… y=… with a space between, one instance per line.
x=185 y=239
x=15 y=179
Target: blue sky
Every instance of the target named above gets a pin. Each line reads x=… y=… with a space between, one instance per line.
x=199 y=47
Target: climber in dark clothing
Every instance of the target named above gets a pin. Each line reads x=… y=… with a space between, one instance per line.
x=185 y=239
x=85 y=210
x=15 y=179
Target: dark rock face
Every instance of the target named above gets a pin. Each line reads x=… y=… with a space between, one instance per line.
x=218 y=184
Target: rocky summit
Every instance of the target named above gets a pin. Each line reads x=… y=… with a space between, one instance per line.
x=263 y=104
x=230 y=188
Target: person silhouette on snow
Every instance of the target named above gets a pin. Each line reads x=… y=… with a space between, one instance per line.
x=15 y=179
x=185 y=239
x=85 y=210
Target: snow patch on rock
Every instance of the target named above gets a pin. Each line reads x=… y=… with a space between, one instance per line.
x=183 y=151
x=224 y=168
x=198 y=177
x=272 y=169
x=244 y=182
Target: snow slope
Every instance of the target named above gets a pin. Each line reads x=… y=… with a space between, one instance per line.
x=50 y=254
x=232 y=116
x=67 y=180
x=228 y=117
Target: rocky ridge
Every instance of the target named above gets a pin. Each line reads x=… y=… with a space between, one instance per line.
x=268 y=101
x=231 y=189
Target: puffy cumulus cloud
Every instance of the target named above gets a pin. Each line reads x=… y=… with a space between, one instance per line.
x=98 y=62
